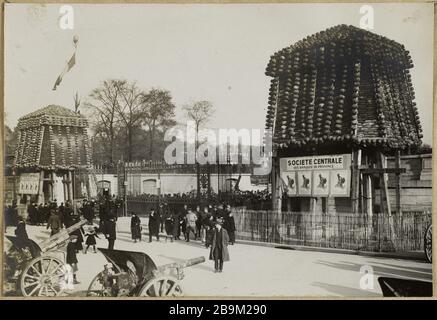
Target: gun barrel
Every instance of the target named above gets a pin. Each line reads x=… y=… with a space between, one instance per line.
x=58 y=239
x=185 y=264
x=192 y=262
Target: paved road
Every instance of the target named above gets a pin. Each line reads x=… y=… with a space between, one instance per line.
x=256 y=271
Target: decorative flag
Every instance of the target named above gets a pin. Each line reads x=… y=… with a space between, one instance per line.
x=69 y=65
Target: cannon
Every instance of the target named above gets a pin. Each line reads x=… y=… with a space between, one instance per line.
x=42 y=266
x=134 y=274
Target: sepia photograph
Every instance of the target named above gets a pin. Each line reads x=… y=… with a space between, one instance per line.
x=262 y=150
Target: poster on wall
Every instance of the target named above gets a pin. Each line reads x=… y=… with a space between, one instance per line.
x=340 y=183
x=318 y=176
x=289 y=183
x=321 y=183
x=304 y=179
x=29 y=183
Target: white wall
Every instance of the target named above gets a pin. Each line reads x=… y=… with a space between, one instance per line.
x=172 y=183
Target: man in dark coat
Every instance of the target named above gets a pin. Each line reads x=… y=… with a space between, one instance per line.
x=61 y=213
x=219 y=246
x=68 y=215
x=31 y=211
x=153 y=225
x=110 y=232
x=229 y=224
x=160 y=215
x=88 y=212
x=183 y=221
x=54 y=222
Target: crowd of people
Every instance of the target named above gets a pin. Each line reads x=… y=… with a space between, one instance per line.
x=213 y=225
x=251 y=199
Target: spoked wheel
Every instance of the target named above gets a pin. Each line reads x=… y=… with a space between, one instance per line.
x=42 y=277
x=428 y=243
x=96 y=288
x=162 y=287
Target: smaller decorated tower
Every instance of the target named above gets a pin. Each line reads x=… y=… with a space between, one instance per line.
x=53 y=155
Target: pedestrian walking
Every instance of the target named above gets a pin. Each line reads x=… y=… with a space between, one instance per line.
x=68 y=215
x=135 y=227
x=153 y=225
x=198 y=222
x=54 y=223
x=219 y=246
x=191 y=219
x=168 y=224
x=183 y=220
x=229 y=225
x=111 y=232
x=176 y=225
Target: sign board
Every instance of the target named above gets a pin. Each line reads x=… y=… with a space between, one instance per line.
x=259 y=179
x=29 y=183
x=316 y=176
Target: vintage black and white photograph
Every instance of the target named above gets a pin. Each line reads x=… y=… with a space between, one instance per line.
x=218 y=150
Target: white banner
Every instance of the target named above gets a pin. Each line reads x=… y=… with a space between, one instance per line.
x=316 y=176
x=29 y=183
x=328 y=162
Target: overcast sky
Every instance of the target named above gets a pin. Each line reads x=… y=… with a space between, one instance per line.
x=198 y=52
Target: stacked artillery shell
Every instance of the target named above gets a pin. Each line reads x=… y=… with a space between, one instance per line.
x=343 y=85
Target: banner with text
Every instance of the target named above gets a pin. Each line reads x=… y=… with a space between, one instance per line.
x=316 y=176
x=29 y=183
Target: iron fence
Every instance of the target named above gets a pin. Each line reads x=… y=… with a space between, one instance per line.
x=380 y=233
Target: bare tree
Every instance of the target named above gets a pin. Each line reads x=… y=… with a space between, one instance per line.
x=158 y=113
x=104 y=106
x=130 y=111
x=200 y=112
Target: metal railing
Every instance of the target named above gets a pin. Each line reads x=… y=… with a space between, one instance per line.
x=380 y=233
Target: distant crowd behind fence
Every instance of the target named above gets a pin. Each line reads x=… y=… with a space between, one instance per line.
x=401 y=233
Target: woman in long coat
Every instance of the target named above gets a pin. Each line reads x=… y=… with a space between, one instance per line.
x=153 y=225
x=168 y=223
x=135 y=227
x=219 y=247
x=229 y=225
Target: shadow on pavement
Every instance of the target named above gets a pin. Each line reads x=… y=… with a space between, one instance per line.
x=345 y=291
x=395 y=271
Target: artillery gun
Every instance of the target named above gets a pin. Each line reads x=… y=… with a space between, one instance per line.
x=135 y=274
x=44 y=264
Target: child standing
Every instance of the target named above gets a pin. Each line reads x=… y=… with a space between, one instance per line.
x=71 y=258
x=90 y=231
x=219 y=246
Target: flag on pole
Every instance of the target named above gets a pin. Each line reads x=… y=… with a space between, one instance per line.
x=67 y=68
x=70 y=64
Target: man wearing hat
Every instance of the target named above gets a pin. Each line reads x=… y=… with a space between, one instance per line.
x=219 y=246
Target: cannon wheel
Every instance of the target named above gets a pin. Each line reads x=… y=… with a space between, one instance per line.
x=42 y=277
x=162 y=287
x=428 y=244
x=95 y=289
